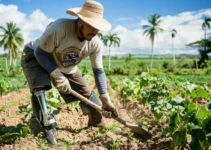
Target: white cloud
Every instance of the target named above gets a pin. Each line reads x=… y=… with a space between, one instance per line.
x=124 y=19
x=30 y=25
x=187 y=24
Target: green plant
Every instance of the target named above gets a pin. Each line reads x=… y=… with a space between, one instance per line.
x=116 y=143
x=27 y=109
x=73 y=105
x=41 y=142
x=11 y=133
x=66 y=144
x=114 y=82
x=168 y=97
x=208 y=71
x=103 y=130
x=84 y=69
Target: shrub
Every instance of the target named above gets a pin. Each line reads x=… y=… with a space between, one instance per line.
x=208 y=70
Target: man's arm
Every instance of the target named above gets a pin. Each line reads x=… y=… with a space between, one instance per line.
x=100 y=80
x=59 y=80
x=43 y=59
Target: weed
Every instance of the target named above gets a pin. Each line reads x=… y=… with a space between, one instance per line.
x=116 y=143
x=66 y=144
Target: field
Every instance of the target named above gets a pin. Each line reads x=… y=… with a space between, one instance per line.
x=172 y=104
x=72 y=130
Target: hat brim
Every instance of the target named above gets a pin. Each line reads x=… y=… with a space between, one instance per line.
x=100 y=24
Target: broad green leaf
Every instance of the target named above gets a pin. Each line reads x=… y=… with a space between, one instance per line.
x=174 y=119
x=168 y=106
x=54 y=100
x=179 y=138
x=167 y=132
x=198 y=139
x=178 y=99
x=143 y=83
x=193 y=94
x=203 y=116
x=9 y=137
x=203 y=112
x=191 y=87
x=25 y=130
x=202 y=92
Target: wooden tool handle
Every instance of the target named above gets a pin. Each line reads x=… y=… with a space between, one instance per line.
x=95 y=106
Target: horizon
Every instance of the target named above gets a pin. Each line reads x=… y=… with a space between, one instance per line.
x=127 y=19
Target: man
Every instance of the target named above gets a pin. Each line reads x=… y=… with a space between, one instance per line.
x=55 y=55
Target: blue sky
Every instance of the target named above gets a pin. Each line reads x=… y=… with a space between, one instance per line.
x=126 y=17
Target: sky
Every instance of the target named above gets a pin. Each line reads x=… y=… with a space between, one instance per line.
x=126 y=17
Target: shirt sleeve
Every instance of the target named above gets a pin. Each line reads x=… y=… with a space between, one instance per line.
x=43 y=59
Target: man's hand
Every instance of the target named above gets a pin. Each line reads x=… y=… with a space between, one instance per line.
x=60 y=81
x=109 y=109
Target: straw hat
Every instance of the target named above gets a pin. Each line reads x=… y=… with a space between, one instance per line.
x=91 y=13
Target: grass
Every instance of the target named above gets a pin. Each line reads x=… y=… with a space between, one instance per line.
x=142 y=64
x=197 y=79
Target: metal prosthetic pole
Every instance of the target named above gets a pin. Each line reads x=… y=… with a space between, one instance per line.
x=48 y=119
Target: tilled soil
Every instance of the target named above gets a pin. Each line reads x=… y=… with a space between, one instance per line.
x=73 y=132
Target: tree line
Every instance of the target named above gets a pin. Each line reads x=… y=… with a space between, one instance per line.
x=153 y=28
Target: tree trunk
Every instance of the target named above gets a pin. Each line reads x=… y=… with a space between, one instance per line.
x=109 y=59
x=14 y=61
x=152 y=55
x=205 y=33
x=196 y=63
x=6 y=66
x=10 y=57
x=173 y=50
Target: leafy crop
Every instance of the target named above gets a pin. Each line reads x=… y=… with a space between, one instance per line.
x=11 y=84
x=11 y=133
x=168 y=97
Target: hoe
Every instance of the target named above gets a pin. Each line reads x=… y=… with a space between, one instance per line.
x=135 y=128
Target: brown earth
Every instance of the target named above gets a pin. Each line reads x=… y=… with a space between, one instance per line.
x=73 y=133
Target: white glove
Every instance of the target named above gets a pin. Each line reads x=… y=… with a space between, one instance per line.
x=109 y=109
x=60 y=81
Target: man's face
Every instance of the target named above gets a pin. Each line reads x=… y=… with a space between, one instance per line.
x=87 y=31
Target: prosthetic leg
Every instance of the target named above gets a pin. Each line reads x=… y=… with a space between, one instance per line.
x=42 y=121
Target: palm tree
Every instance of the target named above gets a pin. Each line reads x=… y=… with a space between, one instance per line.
x=204 y=47
x=130 y=58
x=111 y=40
x=100 y=35
x=12 y=40
x=173 y=33
x=152 y=29
x=206 y=25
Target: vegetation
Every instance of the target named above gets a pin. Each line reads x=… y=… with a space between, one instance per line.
x=176 y=102
x=206 y=25
x=152 y=30
x=173 y=92
x=111 y=40
x=173 y=33
x=204 y=46
x=12 y=40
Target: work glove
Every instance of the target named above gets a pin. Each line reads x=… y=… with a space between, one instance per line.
x=60 y=81
x=109 y=109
